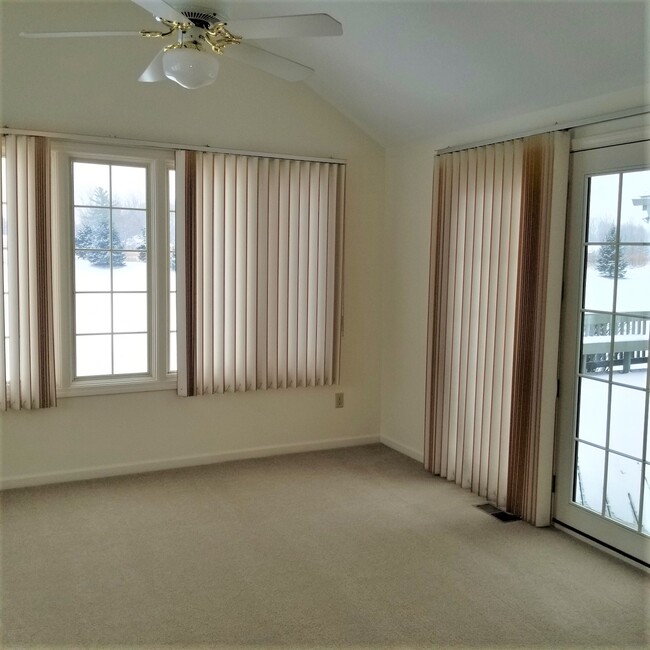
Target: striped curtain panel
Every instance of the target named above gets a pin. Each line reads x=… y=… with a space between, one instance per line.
x=260 y=306
x=26 y=318
x=481 y=278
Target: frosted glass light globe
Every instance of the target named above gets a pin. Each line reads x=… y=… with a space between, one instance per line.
x=190 y=68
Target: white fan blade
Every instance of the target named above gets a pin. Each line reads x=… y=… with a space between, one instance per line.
x=75 y=34
x=286 y=26
x=154 y=71
x=161 y=9
x=271 y=63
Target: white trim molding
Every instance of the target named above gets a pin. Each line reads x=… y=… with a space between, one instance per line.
x=402 y=448
x=123 y=469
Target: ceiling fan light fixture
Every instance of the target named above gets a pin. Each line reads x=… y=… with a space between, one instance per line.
x=190 y=67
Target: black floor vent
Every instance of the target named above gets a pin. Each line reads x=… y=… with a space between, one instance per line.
x=501 y=515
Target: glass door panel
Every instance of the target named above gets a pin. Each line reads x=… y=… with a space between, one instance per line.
x=603 y=472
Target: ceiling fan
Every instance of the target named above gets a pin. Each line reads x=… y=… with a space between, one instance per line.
x=201 y=33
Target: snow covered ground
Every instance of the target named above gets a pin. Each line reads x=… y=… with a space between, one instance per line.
x=112 y=328
x=633 y=291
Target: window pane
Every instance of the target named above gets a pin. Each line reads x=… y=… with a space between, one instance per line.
x=646 y=501
x=623 y=488
x=596 y=344
x=5 y=275
x=131 y=276
x=173 y=363
x=93 y=355
x=88 y=277
x=172 y=313
x=635 y=206
x=130 y=312
x=171 y=189
x=599 y=290
x=631 y=342
x=130 y=353
x=93 y=313
x=627 y=420
x=592 y=426
x=129 y=187
x=92 y=228
x=633 y=290
x=590 y=473
x=87 y=178
x=130 y=229
x=603 y=206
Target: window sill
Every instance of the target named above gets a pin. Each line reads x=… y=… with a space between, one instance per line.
x=116 y=387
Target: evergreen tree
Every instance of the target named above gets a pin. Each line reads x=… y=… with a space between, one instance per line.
x=83 y=240
x=98 y=240
x=606 y=260
x=142 y=246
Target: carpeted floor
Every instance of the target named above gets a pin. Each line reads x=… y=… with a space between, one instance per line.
x=348 y=548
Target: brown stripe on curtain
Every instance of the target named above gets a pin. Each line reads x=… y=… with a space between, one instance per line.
x=46 y=370
x=190 y=269
x=543 y=195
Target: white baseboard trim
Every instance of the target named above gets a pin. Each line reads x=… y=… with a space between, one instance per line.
x=403 y=449
x=30 y=480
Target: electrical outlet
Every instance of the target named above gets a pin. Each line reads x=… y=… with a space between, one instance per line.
x=338 y=400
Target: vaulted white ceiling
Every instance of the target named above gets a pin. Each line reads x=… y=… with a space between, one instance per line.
x=407 y=69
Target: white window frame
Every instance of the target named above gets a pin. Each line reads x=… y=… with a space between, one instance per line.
x=158 y=163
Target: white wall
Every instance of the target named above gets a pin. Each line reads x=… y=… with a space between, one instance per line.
x=405 y=254
x=90 y=88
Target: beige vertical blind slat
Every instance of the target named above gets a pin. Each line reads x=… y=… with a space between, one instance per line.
x=283 y=275
x=323 y=196
x=273 y=276
x=269 y=246
x=303 y=275
x=240 y=272
x=263 y=214
x=312 y=276
x=206 y=260
x=251 y=274
x=199 y=279
x=486 y=319
x=476 y=351
x=293 y=272
x=337 y=215
x=27 y=321
x=330 y=294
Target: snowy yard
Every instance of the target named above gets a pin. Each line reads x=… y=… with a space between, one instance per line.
x=112 y=316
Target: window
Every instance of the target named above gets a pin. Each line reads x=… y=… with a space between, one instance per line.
x=115 y=275
x=171 y=355
x=5 y=275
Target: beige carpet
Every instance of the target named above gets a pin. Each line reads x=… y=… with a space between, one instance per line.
x=348 y=548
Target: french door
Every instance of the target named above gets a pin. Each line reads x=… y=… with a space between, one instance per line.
x=603 y=456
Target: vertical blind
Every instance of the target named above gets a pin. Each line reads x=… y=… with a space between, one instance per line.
x=26 y=323
x=486 y=201
x=545 y=175
x=262 y=257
